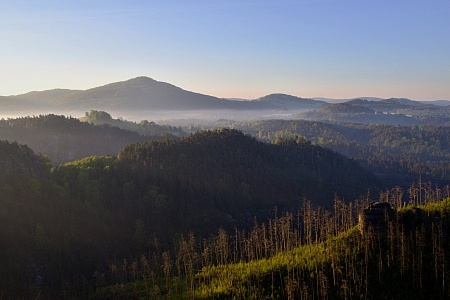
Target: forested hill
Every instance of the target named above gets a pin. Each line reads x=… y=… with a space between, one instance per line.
x=209 y=180
x=233 y=173
x=400 y=154
x=64 y=139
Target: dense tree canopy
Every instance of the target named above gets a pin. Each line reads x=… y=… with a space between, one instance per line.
x=394 y=153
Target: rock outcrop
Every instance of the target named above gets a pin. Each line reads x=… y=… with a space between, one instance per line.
x=375 y=219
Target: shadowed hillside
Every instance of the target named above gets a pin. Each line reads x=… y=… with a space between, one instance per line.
x=63 y=139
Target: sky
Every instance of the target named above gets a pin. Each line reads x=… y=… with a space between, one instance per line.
x=234 y=49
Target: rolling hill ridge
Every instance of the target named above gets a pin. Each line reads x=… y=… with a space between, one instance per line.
x=143 y=93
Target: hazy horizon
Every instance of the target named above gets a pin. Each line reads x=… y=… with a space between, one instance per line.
x=331 y=99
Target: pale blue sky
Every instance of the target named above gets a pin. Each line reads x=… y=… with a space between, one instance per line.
x=247 y=49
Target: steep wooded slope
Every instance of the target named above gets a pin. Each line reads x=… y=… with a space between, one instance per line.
x=238 y=177
x=48 y=242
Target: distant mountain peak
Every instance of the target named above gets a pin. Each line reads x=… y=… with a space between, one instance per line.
x=141 y=79
x=278 y=96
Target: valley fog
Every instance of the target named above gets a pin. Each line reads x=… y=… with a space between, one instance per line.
x=167 y=117
x=180 y=118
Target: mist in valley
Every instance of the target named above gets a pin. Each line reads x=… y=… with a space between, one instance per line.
x=168 y=117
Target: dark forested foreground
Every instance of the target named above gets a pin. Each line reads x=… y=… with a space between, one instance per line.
x=215 y=214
